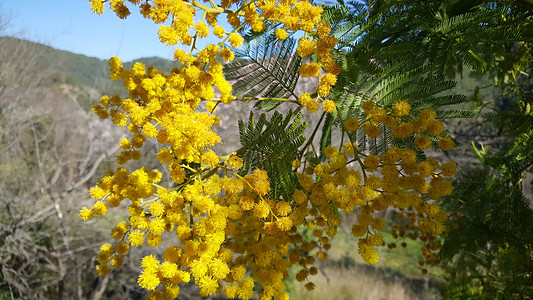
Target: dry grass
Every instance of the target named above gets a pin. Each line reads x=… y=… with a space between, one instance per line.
x=357 y=283
x=344 y=275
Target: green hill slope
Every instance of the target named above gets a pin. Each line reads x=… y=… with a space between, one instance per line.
x=63 y=67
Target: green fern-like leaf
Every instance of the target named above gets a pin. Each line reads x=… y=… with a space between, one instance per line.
x=456 y=113
x=326 y=134
x=272 y=145
x=266 y=67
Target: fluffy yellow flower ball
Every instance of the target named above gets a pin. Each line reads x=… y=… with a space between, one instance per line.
x=329 y=106
x=401 y=108
x=281 y=34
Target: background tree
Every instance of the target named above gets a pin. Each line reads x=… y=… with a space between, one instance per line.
x=487 y=252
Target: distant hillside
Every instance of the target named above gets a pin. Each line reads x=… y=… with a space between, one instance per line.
x=63 y=67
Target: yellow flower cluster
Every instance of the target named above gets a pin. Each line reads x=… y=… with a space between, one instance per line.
x=163 y=107
x=397 y=178
x=424 y=127
x=402 y=184
x=294 y=15
x=227 y=233
x=117 y=186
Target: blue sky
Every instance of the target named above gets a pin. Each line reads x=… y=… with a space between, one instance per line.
x=70 y=25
